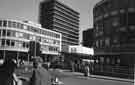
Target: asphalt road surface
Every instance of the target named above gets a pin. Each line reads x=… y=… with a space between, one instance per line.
x=77 y=79
x=71 y=78
x=92 y=81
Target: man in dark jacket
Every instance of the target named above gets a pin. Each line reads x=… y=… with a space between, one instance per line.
x=7 y=73
x=40 y=75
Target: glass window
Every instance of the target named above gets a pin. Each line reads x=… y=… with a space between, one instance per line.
x=20 y=34
x=4 y=33
x=131 y=18
x=4 y=23
x=123 y=29
x=115 y=21
x=108 y=60
x=12 y=43
x=3 y=42
x=27 y=45
x=123 y=19
x=12 y=33
x=101 y=43
x=24 y=44
x=38 y=38
x=132 y=28
x=25 y=36
x=0 y=23
x=21 y=25
x=25 y=27
x=107 y=42
x=8 y=33
x=102 y=59
x=14 y=24
x=20 y=44
x=17 y=34
x=18 y=25
x=0 y=32
x=0 y=42
x=9 y=24
x=97 y=43
x=8 y=42
x=118 y=61
x=115 y=40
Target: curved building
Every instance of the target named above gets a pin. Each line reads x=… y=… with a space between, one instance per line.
x=16 y=37
x=114 y=27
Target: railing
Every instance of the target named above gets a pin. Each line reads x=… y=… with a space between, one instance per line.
x=114 y=71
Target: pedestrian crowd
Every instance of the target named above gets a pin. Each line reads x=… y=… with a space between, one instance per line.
x=83 y=67
x=40 y=75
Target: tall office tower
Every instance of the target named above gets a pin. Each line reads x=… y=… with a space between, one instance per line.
x=114 y=27
x=57 y=16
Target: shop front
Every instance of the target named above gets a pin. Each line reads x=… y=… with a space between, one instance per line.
x=114 y=65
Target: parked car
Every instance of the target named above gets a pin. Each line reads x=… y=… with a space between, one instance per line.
x=56 y=64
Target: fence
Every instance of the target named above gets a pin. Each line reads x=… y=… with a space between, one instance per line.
x=115 y=71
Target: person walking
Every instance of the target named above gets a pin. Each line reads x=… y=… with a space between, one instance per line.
x=40 y=75
x=87 y=70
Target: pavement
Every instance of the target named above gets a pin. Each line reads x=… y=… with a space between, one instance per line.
x=81 y=75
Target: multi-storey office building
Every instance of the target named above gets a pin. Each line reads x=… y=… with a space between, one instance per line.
x=15 y=38
x=88 y=37
x=114 y=27
x=57 y=16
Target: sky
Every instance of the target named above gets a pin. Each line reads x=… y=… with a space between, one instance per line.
x=29 y=10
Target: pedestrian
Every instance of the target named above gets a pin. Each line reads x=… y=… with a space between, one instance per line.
x=7 y=73
x=87 y=70
x=40 y=75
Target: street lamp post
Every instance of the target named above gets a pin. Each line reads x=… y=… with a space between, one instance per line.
x=35 y=49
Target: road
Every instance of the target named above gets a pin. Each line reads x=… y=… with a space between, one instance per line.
x=78 y=79
x=73 y=78
x=92 y=81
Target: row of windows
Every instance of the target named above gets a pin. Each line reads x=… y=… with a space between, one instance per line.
x=116 y=22
x=115 y=42
x=65 y=23
x=21 y=44
x=13 y=43
x=49 y=48
x=110 y=5
x=65 y=33
x=73 y=14
x=67 y=15
x=108 y=60
x=69 y=39
x=11 y=33
x=103 y=8
x=50 y=41
x=65 y=28
x=69 y=21
x=4 y=23
x=103 y=43
x=120 y=19
x=67 y=42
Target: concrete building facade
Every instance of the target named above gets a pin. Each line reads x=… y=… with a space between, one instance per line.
x=58 y=17
x=16 y=37
x=114 y=46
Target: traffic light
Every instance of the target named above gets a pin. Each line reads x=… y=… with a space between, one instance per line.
x=34 y=49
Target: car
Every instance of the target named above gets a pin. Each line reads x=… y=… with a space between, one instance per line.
x=56 y=64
